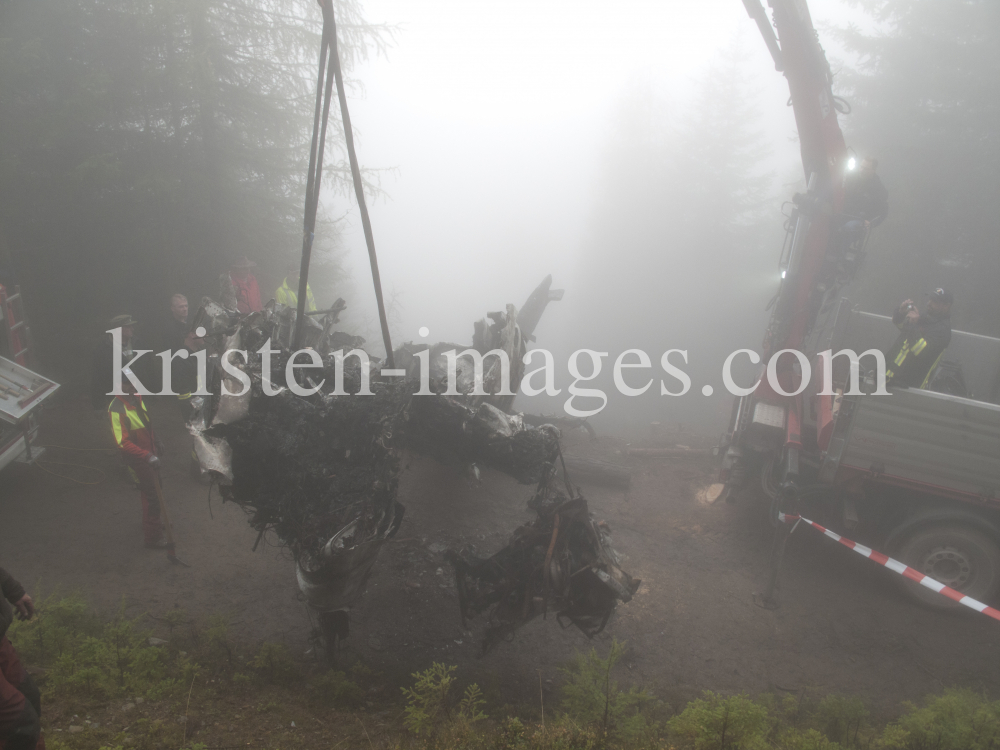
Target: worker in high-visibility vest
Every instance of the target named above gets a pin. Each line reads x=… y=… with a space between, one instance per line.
x=138 y=447
x=922 y=340
x=103 y=364
x=288 y=292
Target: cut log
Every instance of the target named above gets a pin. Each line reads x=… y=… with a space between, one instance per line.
x=602 y=473
x=563 y=423
x=666 y=452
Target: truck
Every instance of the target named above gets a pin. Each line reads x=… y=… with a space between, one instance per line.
x=913 y=472
x=22 y=391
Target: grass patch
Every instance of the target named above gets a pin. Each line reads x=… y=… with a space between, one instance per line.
x=108 y=684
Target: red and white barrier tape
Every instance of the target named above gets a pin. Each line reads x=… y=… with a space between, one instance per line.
x=895 y=565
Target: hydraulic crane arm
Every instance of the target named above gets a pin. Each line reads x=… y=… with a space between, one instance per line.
x=809 y=82
x=757 y=13
x=795 y=48
x=788 y=424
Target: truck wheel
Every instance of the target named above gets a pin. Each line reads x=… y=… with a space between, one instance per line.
x=958 y=556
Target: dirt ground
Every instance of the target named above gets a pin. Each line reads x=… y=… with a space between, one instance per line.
x=844 y=627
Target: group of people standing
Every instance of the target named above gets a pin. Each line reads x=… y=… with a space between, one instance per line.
x=140 y=449
x=239 y=290
x=129 y=419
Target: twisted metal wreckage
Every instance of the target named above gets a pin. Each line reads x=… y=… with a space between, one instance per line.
x=322 y=471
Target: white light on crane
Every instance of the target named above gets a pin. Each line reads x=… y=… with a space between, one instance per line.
x=783 y=274
x=851 y=164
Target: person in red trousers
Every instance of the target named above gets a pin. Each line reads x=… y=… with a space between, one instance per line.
x=139 y=446
x=20 y=700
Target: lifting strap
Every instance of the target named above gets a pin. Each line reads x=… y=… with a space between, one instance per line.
x=329 y=71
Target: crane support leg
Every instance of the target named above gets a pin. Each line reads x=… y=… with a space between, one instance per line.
x=786 y=502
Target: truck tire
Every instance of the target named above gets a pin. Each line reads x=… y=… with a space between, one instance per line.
x=958 y=556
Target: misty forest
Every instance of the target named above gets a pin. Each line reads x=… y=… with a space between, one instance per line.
x=436 y=562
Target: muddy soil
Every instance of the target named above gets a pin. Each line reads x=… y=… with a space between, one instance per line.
x=843 y=627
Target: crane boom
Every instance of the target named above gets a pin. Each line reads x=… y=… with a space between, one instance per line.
x=824 y=158
x=770 y=417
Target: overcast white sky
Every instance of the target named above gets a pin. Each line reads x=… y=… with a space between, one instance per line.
x=494 y=114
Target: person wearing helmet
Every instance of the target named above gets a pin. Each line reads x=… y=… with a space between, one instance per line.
x=923 y=337
x=139 y=448
x=103 y=368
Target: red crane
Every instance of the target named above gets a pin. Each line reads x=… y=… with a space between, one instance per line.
x=915 y=471
x=786 y=421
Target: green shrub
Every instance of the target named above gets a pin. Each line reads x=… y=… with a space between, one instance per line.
x=718 y=723
x=85 y=658
x=592 y=697
x=564 y=734
x=87 y=661
x=738 y=722
x=428 y=710
x=957 y=720
x=841 y=718
x=175 y=618
x=216 y=647
x=274 y=664
x=427 y=700
x=334 y=688
x=810 y=739
x=62 y=623
x=511 y=735
x=470 y=708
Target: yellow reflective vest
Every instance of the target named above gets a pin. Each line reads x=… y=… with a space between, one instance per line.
x=911 y=361
x=288 y=296
x=131 y=427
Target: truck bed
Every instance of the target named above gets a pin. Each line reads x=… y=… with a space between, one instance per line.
x=23 y=392
x=931 y=442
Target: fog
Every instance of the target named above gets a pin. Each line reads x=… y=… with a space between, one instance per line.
x=643 y=153
x=503 y=122
x=640 y=153
x=497 y=117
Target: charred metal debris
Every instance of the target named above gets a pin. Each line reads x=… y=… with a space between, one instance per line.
x=322 y=471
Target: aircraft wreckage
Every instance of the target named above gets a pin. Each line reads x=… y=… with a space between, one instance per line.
x=322 y=471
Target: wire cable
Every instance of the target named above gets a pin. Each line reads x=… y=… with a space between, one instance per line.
x=68 y=448
x=39 y=463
